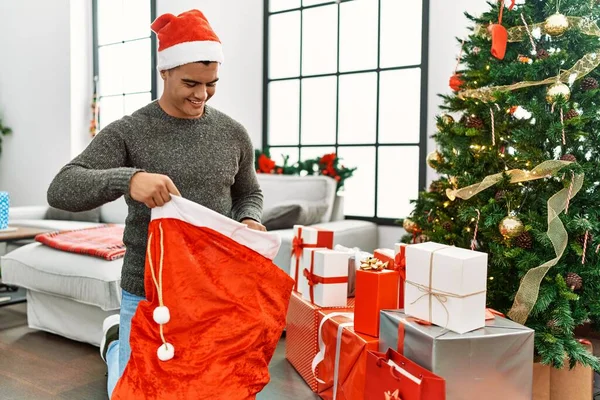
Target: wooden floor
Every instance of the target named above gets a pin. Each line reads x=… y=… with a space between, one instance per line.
x=37 y=365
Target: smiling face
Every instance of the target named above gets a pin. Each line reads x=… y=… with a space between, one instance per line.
x=187 y=89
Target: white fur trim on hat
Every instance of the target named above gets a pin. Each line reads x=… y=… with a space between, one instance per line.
x=189 y=52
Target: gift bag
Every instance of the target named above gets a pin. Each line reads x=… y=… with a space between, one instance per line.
x=392 y=376
x=215 y=309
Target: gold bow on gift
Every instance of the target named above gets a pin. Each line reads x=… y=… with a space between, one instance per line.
x=373 y=264
x=392 y=396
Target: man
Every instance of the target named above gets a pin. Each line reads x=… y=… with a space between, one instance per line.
x=174 y=146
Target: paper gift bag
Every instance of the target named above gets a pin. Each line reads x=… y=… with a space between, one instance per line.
x=446 y=286
x=492 y=363
x=375 y=291
x=301 y=343
x=327 y=278
x=541 y=381
x=392 y=376
x=572 y=384
x=306 y=237
x=342 y=357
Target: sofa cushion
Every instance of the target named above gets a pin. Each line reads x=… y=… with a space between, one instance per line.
x=288 y=214
x=53 y=225
x=86 y=279
x=83 y=216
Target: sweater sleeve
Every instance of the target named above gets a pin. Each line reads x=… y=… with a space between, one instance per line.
x=247 y=197
x=97 y=176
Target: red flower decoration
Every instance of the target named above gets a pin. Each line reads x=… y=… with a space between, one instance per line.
x=265 y=164
x=328 y=158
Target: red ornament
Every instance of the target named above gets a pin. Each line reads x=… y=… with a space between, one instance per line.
x=499 y=36
x=456 y=82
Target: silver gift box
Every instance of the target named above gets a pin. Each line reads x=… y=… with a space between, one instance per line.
x=491 y=363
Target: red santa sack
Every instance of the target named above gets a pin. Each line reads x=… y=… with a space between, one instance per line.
x=221 y=302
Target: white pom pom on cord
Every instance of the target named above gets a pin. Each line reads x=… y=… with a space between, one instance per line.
x=161 y=315
x=165 y=352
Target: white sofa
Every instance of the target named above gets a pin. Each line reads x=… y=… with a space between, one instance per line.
x=71 y=294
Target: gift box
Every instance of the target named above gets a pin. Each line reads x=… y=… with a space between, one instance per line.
x=327 y=278
x=4 y=206
x=356 y=256
x=557 y=384
x=342 y=359
x=446 y=286
x=306 y=237
x=306 y=263
x=302 y=330
x=492 y=363
x=375 y=291
x=391 y=376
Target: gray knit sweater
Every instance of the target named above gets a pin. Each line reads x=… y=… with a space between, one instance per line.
x=210 y=160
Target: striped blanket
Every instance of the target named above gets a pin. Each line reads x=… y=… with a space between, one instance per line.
x=105 y=241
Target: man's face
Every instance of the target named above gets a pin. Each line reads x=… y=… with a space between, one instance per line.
x=188 y=88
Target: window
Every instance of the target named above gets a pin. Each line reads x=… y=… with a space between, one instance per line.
x=124 y=56
x=351 y=76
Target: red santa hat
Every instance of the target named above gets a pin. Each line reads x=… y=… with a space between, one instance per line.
x=185 y=39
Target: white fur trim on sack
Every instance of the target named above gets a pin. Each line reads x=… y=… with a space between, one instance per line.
x=189 y=52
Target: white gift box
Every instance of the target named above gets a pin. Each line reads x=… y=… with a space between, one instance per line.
x=328 y=264
x=308 y=237
x=303 y=286
x=446 y=286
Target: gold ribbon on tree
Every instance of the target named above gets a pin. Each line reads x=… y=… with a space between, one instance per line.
x=527 y=294
x=582 y=67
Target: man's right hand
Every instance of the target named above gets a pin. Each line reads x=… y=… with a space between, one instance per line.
x=154 y=190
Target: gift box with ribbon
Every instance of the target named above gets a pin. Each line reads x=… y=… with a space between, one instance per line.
x=492 y=363
x=304 y=238
x=376 y=290
x=565 y=383
x=302 y=332
x=4 y=206
x=326 y=278
x=356 y=255
x=446 y=286
x=342 y=357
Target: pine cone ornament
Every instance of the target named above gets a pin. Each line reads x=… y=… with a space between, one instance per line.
x=581 y=239
x=574 y=281
x=447 y=226
x=569 y=157
x=474 y=122
x=500 y=195
x=542 y=54
x=436 y=187
x=571 y=114
x=589 y=84
x=524 y=240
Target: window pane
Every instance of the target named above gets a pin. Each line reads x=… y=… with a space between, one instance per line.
x=137 y=66
x=399 y=106
x=284 y=45
x=318 y=110
x=319 y=40
x=110 y=21
x=110 y=64
x=357 y=114
x=307 y=153
x=137 y=15
x=134 y=102
x=400 y=33
x=111 y=109
x=284 y=112
x=278 y=153
x=358 y=190
x=313 y=2
x=358 y=35
x=280 y=5
x=398 y=181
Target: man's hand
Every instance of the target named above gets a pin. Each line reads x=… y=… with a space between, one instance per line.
x=154 y=190
x=252 y=224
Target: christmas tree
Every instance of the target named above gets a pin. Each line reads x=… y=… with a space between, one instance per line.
x=518 y=160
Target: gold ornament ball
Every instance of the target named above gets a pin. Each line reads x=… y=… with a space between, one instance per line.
x=558 y=89
x=434 y=156
x=511 y=227
x=556 y=25
x=445 y=120
x=411 y=226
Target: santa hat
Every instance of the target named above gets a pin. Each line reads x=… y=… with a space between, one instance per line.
x=185 y=39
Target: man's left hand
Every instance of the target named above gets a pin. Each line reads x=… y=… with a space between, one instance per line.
x=252 y=224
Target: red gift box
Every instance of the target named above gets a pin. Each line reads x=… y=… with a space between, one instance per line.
x=375 y=291
x=397 y=262
x=342 y=359
x=401 y=379
x=302 y=334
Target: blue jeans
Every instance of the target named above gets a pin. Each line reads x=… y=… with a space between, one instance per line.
x=118 y=351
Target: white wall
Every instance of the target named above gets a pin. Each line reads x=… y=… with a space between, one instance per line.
x=446 y=22
x=239 y=25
